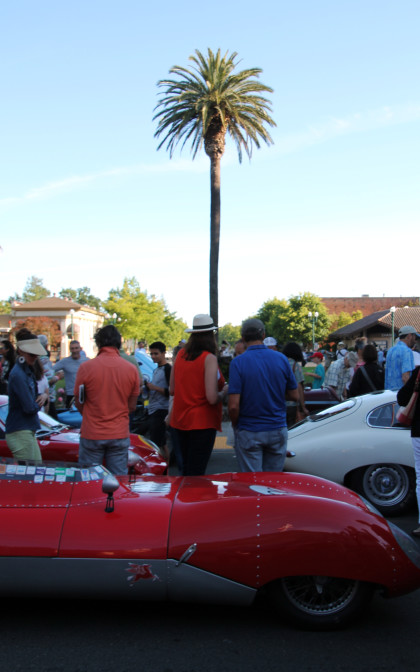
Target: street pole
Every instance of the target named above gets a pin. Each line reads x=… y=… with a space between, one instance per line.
x=313 y=317
x=72 y=324
x=392 y=311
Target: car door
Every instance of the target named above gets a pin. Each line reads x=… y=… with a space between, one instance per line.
x=33 y=505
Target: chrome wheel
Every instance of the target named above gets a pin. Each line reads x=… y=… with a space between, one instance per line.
x=386 y=485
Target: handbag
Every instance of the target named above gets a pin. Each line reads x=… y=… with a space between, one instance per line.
x=405 y=413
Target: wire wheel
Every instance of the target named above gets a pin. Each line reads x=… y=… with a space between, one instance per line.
x=320 y=594
x=320 y=602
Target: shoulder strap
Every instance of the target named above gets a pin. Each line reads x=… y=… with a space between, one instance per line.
x=367 y=377
x=167 y=373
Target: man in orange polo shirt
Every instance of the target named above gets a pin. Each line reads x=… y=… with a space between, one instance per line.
x=106 y=391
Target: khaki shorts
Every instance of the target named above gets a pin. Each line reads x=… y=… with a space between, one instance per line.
x=23 y=445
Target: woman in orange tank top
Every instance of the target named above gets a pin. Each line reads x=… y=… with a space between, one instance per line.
x=198 y=388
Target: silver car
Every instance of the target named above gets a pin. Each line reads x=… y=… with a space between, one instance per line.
x=358 y=443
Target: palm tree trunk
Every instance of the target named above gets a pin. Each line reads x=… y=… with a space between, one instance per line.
x=214 y=236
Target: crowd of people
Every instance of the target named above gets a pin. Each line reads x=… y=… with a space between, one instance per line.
x=266 y=392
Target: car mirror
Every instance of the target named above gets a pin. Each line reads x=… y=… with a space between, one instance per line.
x=132 y=462
x=109 y=485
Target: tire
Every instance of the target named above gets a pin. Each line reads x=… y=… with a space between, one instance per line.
x=391 y=488
x=320 y=602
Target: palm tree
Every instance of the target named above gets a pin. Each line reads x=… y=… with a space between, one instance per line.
x=202 y=105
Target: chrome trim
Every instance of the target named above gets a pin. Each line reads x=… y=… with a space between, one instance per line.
x=188 y=553
x=407 y=544
x=372 y=410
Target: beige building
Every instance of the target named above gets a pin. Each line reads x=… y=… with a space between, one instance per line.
x=5 y=325
x=75 y=321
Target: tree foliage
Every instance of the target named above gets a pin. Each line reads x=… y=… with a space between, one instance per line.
x=229 y=333
x=209 y=100
x=81 y=295
x=289 y=320
x=41 y=325
x=143 y=317
x=5 y=307
x=201 y=105
x=344 y=319
x=34 y=290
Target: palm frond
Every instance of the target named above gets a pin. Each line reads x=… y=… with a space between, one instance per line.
x=209 y=98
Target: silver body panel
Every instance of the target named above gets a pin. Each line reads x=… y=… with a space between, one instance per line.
x=149 y=580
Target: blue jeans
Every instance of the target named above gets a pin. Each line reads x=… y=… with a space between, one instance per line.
x=261 y=451
x=113 y=451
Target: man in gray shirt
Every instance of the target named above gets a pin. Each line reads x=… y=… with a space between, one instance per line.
x=70 y=366
x=158 y=394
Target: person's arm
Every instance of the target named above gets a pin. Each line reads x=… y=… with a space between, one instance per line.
x=233 y=408
x=292 y=395
x=407 y=364
x=78 y=382
x=404 y=394
x=135 y=391
x=164 y=391
x=25 y=395
x=406 y=376
x=132 y=403
x=172 y=382
x=210 y=380
x=58 y=366
x=155 y=388
x=301 y=395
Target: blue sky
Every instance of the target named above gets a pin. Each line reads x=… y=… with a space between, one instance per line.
x=85 y=198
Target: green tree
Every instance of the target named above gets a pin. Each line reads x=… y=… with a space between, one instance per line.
x=5 y=307
x=289 y=320
x=300 y=324
x=273 y=315
x=68 y=293
x=229 y=333
x=356 y=315
x=343 y=319
x=140 y=316
x=81 y=295
x=34 y=290
x=205 y=102
x=42 y=325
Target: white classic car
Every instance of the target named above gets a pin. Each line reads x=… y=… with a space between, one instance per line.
x=358 y=443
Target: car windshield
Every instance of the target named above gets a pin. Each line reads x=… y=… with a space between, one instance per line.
x=333 y=410
x=48 y=424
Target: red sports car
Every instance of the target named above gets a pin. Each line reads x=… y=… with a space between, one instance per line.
x=314 y=548
x=60 y=443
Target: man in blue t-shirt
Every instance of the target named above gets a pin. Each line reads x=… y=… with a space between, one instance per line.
x=400 y=359
x=260 y=381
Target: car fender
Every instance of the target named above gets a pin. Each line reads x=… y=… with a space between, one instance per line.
x=335 y=458
x=257 y=536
